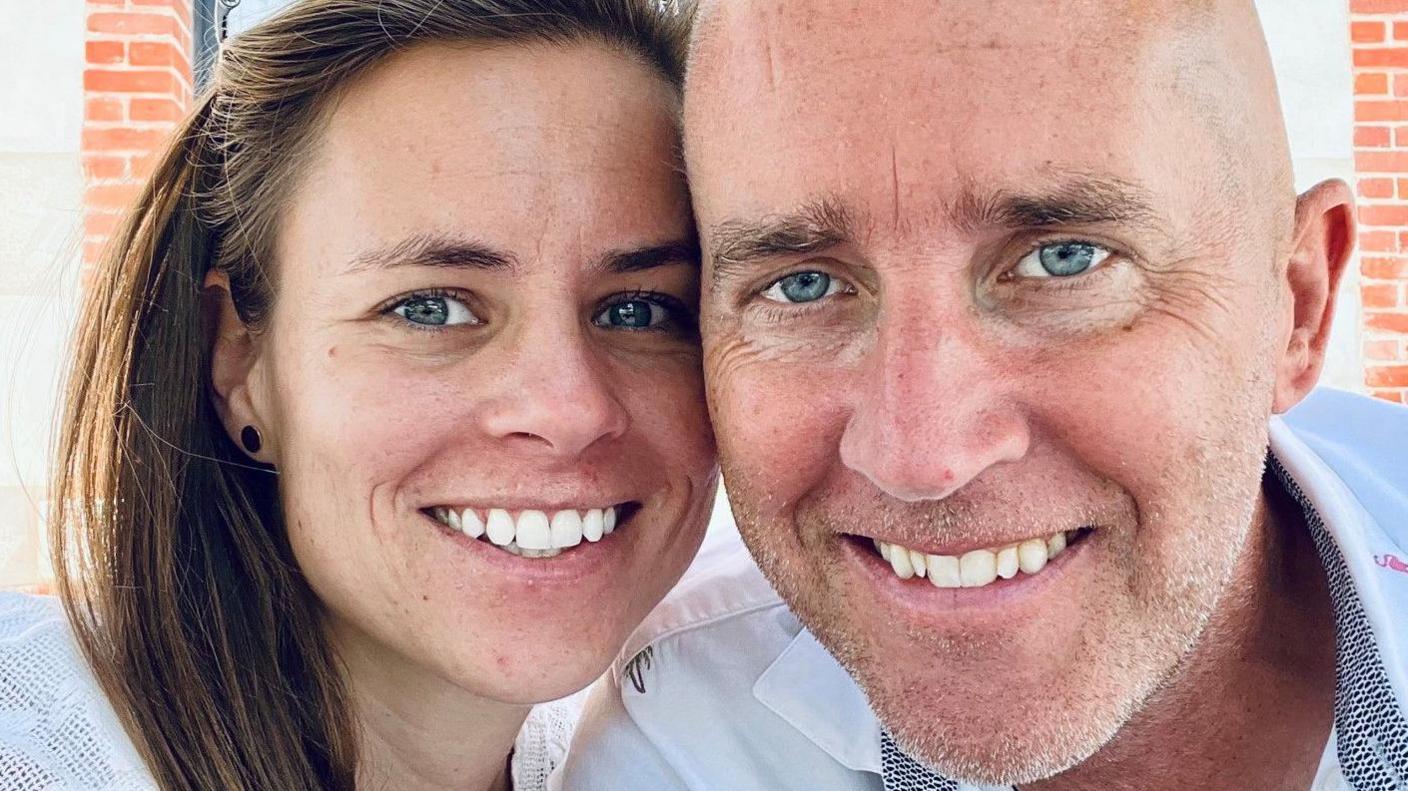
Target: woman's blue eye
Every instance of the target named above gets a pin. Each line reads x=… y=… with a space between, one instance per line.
x=434 y=311
x=1066 y=259
x=638 y=313
x=803 y=287
x=634 y=315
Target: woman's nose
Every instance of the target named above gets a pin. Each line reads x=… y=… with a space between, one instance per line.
x=554 y=391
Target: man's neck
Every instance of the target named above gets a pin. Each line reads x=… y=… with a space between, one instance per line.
x=419 y=732
x=1253 y=704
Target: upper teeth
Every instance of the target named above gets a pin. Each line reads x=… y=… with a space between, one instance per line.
x=973 y=569
x=533 y=533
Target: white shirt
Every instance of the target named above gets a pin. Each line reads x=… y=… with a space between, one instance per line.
x=722 y=689
x=58 y=731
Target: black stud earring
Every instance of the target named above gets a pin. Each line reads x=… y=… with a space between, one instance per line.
x=251 y=440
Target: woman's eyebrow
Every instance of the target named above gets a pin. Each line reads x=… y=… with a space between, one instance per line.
x=682 y=251
x=434 y=250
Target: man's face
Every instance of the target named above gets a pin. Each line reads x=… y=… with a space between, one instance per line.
x=984 y=276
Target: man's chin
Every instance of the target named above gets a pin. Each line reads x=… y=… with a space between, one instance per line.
x=989 y=746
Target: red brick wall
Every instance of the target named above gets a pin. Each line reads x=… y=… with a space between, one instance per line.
x=1379 y=35
x=136 y=86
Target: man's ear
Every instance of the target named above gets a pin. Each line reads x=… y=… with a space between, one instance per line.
x=233 y=363
x=1320 y=251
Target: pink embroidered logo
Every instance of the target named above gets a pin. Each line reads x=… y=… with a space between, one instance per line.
x=1391 y=562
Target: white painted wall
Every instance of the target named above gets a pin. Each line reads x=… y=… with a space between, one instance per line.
x=41 y=198
x=1309 y=42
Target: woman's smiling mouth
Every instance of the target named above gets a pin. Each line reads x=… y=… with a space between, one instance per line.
x=534 y=533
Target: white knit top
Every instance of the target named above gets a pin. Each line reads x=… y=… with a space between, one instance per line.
x=58 y=731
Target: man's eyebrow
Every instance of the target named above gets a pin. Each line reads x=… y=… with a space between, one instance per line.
x=434 y=250
x=1080 y=200
x=683 y=251
x=818 y=225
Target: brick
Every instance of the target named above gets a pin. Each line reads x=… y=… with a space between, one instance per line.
x=1379 y=295
x=105 y=52
x=1384 y=268
x=102 y=109
x=99 y=167
x=1381 y=161
x=1387 y=322
x=1387 y=376
x=143 y=165
x=1378 y=242
x=1400 y=31
x=129 y=23
x=1367 y=32
x=1371 y=137
x=1369 y=110
x=101 y=225
x=1371 y=83
x=93 y=250
x=130 y=81
x=182 y=8
x=157 y=110
x=1386 y=58
x=123 y=139
x=159 y=53
x=1386 y=351
x=1382 y=215
x=1377 y=6
x=1396 y=396
x=119 y=197
x=1376 y=188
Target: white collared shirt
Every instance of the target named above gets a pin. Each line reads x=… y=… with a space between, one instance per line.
x=722 y=689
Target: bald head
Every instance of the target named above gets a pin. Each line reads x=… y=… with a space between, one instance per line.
x=921 y=72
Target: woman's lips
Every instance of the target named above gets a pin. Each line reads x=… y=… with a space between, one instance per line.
x=534 y=533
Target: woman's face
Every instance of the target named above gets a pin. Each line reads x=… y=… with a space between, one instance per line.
x=484 y=323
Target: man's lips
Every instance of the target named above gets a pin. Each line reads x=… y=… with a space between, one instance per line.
x=975 y=567
x=941 y=591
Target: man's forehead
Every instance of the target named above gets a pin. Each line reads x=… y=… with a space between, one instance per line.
x=879 y=98
x=792 y=31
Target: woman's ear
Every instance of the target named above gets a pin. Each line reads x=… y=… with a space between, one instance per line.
x=1320 y=251
x=233 y=369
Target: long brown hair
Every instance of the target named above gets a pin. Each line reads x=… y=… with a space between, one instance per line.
x=169 y=549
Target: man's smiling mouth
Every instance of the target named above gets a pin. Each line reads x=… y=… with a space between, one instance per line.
x=979 y=567
x=534 y=533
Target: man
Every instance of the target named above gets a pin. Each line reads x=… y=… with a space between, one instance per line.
x=1004 y=302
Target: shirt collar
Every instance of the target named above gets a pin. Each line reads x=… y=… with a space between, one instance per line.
x=809 y=689
x=1359 y=540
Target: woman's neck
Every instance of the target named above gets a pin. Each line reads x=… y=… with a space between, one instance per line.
x=419 y=732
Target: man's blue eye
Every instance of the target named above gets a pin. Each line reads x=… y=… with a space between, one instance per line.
x=1066 y=259
x=433 y=311
x=802 y=287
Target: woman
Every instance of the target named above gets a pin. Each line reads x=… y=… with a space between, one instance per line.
x=387 y=420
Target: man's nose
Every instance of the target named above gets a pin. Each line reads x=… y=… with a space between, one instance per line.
x=930 y=414
x=553 y=393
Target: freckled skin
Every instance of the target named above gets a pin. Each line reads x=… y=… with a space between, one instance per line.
x=557 y=155
x=940 y=399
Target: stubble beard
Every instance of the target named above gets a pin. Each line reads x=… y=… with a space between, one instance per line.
x=1139 y=639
